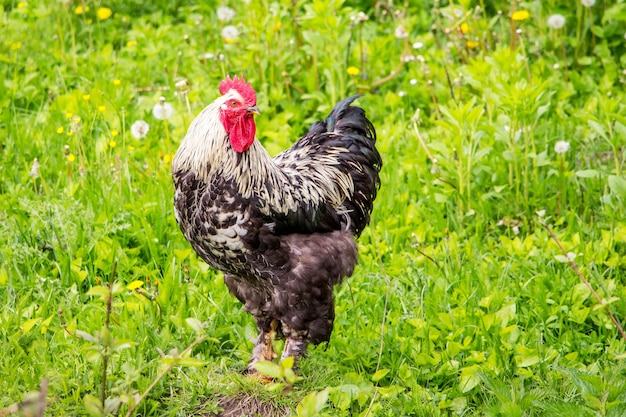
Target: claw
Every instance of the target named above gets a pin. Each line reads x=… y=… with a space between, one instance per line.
x=264 y=347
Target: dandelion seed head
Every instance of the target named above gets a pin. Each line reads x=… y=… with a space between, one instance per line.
x=139 y=129
x=413 y=81
x=556 y=21
x=162 y=110
x=225 y=14
x=35 y=169
x=361 y=17
x=561 y=147
x=588 y=3
x=418 y=45
x=230 y=33
x=401 y=32
x=401 y=93
x=515 y=230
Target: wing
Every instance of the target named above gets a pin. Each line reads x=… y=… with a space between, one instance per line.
x=331 y=173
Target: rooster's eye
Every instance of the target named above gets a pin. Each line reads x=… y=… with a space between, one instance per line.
x=233 y=103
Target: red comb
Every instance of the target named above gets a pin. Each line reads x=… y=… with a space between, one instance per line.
x=241 y=86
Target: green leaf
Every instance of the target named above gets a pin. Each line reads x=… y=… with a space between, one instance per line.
x=587 y=173
x=380 y=374
x=195 y=324
x=617 y=186
x=469 y=378
x=99 y=291
x=29 y=324
x=268 y=368
x=93 y=406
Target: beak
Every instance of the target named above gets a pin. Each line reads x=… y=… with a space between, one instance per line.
x=253 y=110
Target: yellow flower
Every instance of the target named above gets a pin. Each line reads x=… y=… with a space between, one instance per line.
x=16 y=45
x=353 y=71
x=70 y=133
x=76 y=119
x=116 y=82
x=86 y=97
x=71 y=157
x=277 y=26
x=102 y=109
x=112 y=144
x=104 y=13
x=22 y=4
x=520 y=15
x=472 y=44
x=167 y=158
x=60 y=129
x=114 y=133
x=68 y=115
x=465 y=28
x=131 y=43
x=131 y=148
x=81 y=10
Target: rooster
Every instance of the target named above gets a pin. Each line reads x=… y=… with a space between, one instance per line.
x=281 y=229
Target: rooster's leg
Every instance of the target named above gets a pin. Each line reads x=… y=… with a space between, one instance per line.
x=264 y=348
x=294 y=348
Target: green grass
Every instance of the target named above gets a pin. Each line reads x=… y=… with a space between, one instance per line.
x=462 y=304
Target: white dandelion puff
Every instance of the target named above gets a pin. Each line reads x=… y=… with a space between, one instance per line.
x=35 y=169
x=561 y=147
x=401 y=32
x=418 y=45
x=139 y=129
x=230 y=32
x=225 y=14
x=162 y=110
x=588 y=3
x=556 y=21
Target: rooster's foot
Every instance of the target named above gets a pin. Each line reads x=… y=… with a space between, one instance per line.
x=264 y=348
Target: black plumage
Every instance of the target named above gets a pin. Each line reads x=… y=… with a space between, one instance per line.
x=281 y=229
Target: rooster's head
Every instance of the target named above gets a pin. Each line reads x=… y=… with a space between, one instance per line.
x=237 y=112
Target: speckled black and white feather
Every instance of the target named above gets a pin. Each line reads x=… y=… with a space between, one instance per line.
x=282 y=229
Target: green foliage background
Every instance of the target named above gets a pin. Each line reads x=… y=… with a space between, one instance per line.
x=462 y=305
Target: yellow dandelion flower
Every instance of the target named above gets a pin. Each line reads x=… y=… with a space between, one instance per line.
x=60 y=129
x=68 y=115
x=71 y=158
x=81 y=10
x=229 y=40
x=86 y=97
x=70 y=133
x=131 y=43
x=520 y=15
x=89 y=21
x=76 y=119
x=353 y=71
x=167 y=158
x=22 y=4
x=131 y=148
x=104 y=13
x=112 y=144
x=277 y=26
x=114 y=133
x=465 y=28
x=16 y=45
x=102 y=109
x=116 y=82
x=472 y=44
